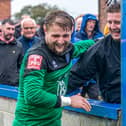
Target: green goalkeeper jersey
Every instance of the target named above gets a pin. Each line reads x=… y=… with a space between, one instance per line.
x=43 y=79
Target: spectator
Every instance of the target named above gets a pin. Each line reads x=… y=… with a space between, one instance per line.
x=46 y=68
x=11 y=54
x=18 y=25
x=89 y=29
x=78 y=22
x=104 y=59
x=28 y=37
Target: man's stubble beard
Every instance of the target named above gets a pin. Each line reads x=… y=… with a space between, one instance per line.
x=52 y=47
x=8 y=37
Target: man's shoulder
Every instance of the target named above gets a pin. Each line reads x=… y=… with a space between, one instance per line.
x=98 y=45
x=39 y=48
x=102 y=43
x=18 y=43
x=20 y=38
x=105 y=38
x=37 y=37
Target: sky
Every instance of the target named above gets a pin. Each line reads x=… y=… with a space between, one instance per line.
x=73 y=7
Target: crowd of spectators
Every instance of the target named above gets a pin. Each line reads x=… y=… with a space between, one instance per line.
x=60 y=56
x=16 y=39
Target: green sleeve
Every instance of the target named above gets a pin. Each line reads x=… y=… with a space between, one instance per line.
x=34 y=94
x=81 y=47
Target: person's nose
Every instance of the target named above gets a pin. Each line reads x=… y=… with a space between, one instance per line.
x=113 y=25
x=11 y=31
x=61 y=39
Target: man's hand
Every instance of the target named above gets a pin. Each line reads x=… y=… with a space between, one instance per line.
x=78 y=101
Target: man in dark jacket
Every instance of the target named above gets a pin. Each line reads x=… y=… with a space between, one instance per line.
x=11 y=53
x=89 y=30
x=104 y=59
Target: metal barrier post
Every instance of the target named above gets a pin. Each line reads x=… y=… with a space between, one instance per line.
x=123 y=61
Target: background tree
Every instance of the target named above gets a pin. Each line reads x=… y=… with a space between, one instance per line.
x=37 y=12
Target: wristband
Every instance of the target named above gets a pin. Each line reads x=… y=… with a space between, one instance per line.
x=65 y=101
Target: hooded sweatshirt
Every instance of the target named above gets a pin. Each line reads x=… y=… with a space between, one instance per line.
x=82 y=35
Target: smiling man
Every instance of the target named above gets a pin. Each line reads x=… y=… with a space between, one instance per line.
x=104 y=59
x=11 y=54
x=28 y=31
x=44 y=75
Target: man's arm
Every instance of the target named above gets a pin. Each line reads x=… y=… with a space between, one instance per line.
x=81 y=46
x=83 y=70
x=34 y=93
x=75 y=101
x=33 y=73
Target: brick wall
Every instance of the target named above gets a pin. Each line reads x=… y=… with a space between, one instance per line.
x=5 y=9
x=102 y=13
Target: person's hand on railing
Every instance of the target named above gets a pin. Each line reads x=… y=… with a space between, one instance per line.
x=77 y=101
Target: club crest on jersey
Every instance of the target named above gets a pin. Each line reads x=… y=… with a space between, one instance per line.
x=34 y=62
